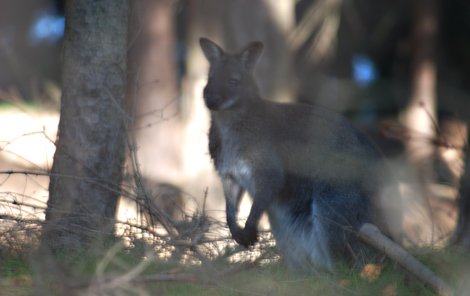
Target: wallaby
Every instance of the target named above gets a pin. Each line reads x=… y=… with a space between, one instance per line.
x=317 y=177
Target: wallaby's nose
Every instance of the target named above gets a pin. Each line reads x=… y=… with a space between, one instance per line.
x=210 y=94
x=211 y=98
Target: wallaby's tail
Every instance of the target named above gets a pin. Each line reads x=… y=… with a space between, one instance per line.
x=374 y=237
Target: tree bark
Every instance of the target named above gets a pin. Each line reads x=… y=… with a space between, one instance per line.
x=86 y=173
x=462 y=233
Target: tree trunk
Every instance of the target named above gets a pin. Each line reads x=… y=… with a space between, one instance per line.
x=420 y=116
x=154 y=129
x=86 y=173
x=158 y=128
x=462 y=234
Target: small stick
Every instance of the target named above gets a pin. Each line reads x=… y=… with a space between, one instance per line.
x=172 y=277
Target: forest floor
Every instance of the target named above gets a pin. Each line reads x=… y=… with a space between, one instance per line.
x=156 y=277
x=27 y=145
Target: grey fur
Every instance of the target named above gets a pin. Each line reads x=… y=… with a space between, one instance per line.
x=316 y=176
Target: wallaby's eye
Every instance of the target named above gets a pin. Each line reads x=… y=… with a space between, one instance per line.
x=233 y=82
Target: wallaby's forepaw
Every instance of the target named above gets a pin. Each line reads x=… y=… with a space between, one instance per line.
x=246 y=237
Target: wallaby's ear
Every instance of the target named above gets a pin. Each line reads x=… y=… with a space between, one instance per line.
x=211 y=50
x=250 y=55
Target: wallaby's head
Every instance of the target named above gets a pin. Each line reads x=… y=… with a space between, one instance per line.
x=231 y=80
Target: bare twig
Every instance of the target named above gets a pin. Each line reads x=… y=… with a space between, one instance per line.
x=95 y=181
x=21 y=219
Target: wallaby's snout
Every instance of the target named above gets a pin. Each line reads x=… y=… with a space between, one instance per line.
x=217 y=96
x=212 y=98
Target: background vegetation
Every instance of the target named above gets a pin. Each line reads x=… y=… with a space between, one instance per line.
x=124 y=201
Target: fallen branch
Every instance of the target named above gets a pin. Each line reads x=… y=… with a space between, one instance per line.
x=373 y=236
x=173 y=277
x=190 y=277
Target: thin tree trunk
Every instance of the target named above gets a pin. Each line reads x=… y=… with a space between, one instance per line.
x=154 y=128
x=158 y=128
x=420 y=116
x=462 y=234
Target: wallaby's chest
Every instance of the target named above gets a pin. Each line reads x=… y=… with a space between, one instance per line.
x=231 y=146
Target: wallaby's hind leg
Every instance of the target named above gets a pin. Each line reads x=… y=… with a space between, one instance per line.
x=303 y=243
x=318 y=228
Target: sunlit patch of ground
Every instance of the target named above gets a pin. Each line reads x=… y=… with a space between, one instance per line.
x=27 y=139
x=26 y=145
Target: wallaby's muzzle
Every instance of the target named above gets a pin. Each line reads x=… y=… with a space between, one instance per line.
x=211 y=98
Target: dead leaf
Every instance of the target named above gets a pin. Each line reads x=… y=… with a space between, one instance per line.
x=371 y=272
